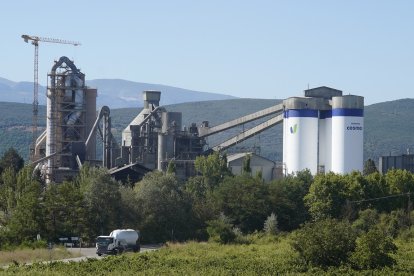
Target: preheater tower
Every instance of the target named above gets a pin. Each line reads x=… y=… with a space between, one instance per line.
x=71 y=112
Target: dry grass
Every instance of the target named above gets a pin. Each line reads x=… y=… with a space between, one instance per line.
x=29 y=255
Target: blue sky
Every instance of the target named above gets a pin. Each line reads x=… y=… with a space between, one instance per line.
x=250 y=49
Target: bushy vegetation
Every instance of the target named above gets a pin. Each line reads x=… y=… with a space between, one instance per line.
x=373 y=250
x=325 y=243
x=327 y=220
x=262 y=256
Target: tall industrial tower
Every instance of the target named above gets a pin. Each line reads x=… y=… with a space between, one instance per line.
x=35 y=41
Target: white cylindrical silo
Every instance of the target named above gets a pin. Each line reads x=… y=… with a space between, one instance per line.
x=300 y=136
x=325 y=140
x=347 y=134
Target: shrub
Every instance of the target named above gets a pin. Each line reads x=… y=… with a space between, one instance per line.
x=221 y=230
x=270 y=225
x=324 y=243
x=33 y=244
x=240 y=238
x=373 y=250
x=395 y=222
x=366 y=220
x=407 y=235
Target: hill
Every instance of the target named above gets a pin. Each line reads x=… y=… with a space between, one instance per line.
x=388 y=125
x=388 y=128
x=121 y=93
x=115 y=93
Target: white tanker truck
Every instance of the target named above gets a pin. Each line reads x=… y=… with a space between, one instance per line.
x=118 y=241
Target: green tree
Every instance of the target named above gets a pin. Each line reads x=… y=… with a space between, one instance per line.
x=330 y=195
x=11 y=159
x=165 y=208
x=12 y=187
x=399 y=182
x=26 y=220
x=101 y=199
x=24 y=178
x=213 y=168
x=367 y=219
x=394 y=222
x=246 y=165
x=130 y=215
x=8 y=191
x=286 y=200
x=221 y=230
x=202 y=204
x=373 y=250
x=327 y=196
x=376 y=187
x=369 y=167
x=171 y=167
x=244 y=200
x=64 y=212
x=327 y=242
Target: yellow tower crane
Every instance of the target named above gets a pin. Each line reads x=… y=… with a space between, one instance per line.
x=35 y=41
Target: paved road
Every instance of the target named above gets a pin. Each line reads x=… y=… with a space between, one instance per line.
x=91 y=252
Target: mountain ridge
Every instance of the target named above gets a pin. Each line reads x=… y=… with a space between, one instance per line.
x=116 y=93
x=388 y=125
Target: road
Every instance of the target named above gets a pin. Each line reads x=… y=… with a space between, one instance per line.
x=90 y=252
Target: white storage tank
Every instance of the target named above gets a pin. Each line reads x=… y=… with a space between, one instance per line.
x=300 y=136
x=347 y=134
x=325 y=140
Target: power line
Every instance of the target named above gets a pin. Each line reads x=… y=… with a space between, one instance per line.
x=379 y=198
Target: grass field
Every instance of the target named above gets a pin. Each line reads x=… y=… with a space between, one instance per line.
x=264 y=257
x=28 y=255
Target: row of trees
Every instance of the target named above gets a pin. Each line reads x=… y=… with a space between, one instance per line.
x=164 y=208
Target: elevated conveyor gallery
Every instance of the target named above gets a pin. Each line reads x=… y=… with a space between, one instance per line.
x=205 y=131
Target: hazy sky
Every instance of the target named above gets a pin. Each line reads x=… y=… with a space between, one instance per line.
x=251 y=49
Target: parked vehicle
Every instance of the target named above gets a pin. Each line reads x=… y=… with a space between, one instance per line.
x=118 y=241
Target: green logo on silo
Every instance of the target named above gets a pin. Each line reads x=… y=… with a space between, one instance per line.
x=294 y=129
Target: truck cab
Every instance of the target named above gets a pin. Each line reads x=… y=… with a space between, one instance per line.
x=105 y=245
x=118 y=241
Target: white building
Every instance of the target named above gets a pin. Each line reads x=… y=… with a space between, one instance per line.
x=258 y=163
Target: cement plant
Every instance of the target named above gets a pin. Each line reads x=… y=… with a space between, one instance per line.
x=322 y=132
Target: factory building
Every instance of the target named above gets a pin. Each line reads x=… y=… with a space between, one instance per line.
x=155 y=138
x=402 y=162
x=323 y=132
x=269 y=169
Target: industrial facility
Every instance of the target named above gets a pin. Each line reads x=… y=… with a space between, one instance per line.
x=70 y=116
x=322 y=132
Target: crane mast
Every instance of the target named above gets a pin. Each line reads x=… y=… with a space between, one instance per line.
x=35 y=41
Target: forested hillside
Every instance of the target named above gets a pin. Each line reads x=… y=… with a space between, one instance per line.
x=388 y=125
